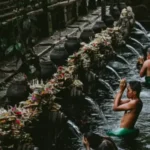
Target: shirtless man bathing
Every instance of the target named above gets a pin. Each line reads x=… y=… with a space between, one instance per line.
x=145 y=70
x=132 y=107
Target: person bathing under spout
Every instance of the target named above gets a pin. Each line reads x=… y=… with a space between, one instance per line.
x=145 y=70
x=132 y=107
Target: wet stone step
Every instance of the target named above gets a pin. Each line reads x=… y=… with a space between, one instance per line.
x=40 y=50
x=46 y=56
x=89 y=18
x=59 y=36
x=79 y=25
x=77 y=34
x=97 y=12
x=52 y=41
x=69 y=31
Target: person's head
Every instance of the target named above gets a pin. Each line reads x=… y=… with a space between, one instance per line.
x=148 y=53
x=106 y=145
x=93 y=139
x=133 y=89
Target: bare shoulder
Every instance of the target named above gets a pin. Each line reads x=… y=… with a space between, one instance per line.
x=147 y=62
x=134 y=102
x=137 y=102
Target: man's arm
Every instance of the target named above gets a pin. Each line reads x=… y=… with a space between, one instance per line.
x=117 y=99
x=128 y=106
x=120 y=105
x=124 y=101
x=143 y=70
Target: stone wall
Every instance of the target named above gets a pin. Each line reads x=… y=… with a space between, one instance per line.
x=29 y=21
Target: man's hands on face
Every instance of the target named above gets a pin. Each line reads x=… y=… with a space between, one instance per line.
x=85 y=142
x=140 y=60
x=123 y=84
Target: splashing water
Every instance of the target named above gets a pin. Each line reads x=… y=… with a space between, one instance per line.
x=133 y=49
x=138 y=25
x=122 y=59
x=138 y=42
x=106 y=85
x=140 y=32
x=76 y=129
x=110 y=68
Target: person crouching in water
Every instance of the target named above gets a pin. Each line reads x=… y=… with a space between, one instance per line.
x=97 y=142
x=145 y=70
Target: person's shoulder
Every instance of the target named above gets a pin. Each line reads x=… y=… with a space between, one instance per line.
x=137 y=102
x=147 y=61
x=134 y=101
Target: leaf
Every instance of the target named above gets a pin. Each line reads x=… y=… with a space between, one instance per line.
x=9 y=50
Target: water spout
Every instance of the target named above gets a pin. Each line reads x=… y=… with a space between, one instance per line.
x=89 y=99
x=138 y=25
x=133 y=49
x=114 y=71
x=74 y=127
x=99 y=110
x=139 y=32
x=93 y=103
x=106 y=85
x=122 y=59
x=138 y=42
x=105 y=120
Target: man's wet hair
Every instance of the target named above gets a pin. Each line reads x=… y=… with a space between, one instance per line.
x=136 y=86
x=93 y=139
x=106 y=145
x=98 y=142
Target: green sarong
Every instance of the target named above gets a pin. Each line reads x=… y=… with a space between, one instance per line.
x=147 y=80
x=123 y=132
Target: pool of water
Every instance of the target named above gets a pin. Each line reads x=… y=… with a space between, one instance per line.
x=113 y=118
x=103 y=118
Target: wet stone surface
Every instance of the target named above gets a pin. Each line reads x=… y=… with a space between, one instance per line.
x=89 y=18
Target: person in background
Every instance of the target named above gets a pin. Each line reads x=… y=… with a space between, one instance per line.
x=145 y=70
x=97 y=142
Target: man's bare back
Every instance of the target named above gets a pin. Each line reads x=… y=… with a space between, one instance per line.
x=145 y=70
